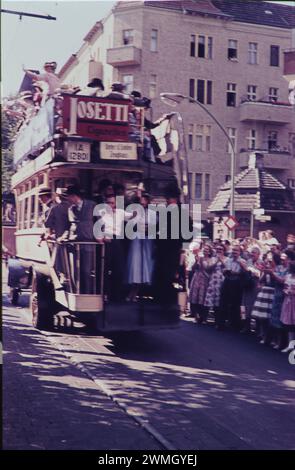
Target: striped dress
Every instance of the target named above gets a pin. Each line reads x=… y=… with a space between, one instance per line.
x=263 y=304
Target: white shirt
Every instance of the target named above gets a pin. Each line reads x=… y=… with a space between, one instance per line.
x=52 y=80
x=271 y=241
x=233 y=265
x=114 y=222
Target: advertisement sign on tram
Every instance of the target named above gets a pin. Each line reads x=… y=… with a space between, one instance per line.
x=98 y=119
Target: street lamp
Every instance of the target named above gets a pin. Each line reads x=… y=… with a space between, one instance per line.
x=173 y=99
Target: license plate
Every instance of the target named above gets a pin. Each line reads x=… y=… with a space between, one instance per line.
x=78 y=152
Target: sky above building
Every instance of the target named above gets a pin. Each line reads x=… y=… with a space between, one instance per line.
x=30 y=42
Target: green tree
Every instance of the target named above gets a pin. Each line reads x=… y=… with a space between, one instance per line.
x=9 y=130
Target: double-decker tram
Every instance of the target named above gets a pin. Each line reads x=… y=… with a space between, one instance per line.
x=90 y=143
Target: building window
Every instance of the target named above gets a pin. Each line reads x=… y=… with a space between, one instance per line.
x=201 y=46
x=154 y=40
x=199 y=138
x=192 y=88
x=252 y=53
x=201 y=91
x=251 y=92
x=209 y=47
x=205 y=46
x=190 y=136
x=275 y=56
x=232 y=132
x=272 y=140
x=291 y=183
x=231 y=94
x=207 y=186
x=227 y=178
x=128 y=36
x=232 y=50
x=198 y=185
x=193 y=46
x=153 y=86
x=204 y=91
x=209 y=92
x=207 y=138
x=202 y=135
x=273 y=94
x=251 y=139
x=128 y=82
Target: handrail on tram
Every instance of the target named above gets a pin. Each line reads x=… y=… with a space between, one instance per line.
x=72 y=268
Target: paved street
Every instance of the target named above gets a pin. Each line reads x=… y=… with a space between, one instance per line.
x=189 y=388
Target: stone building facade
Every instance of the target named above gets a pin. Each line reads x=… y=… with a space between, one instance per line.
x=228 y=55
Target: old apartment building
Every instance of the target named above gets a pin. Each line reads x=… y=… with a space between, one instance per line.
x=226 y=54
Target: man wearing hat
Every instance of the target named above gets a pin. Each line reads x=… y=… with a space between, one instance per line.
x=81 y=220
x=94 y=88
x=45 y=197
x=46 y=200
x=57 y=220
x=58 y=224
x=117 y=92
x=47 y=76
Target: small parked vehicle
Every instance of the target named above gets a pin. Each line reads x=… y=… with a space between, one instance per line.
x=19 y=278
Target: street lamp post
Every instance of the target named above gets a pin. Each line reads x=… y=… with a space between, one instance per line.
x=173 y=99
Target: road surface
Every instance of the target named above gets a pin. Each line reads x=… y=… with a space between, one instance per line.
x=187 y=388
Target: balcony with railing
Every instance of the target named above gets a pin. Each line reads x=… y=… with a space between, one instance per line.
x=265 y=111
x=123 y=56
x=275 y=159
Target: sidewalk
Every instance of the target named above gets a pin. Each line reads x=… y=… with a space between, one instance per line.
x=49 y=404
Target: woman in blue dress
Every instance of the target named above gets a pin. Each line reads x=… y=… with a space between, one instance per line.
x=140 y=261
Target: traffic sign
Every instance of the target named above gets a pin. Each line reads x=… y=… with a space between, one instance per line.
x=231 y=222
x=258 y=211
x=263 y=218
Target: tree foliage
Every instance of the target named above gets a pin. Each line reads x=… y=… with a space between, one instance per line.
x=9 y=130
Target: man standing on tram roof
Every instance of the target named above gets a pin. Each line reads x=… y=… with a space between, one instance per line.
x=49 y=76
x=94 y=88
x=117 y=92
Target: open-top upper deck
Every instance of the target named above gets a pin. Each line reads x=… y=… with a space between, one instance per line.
x=79 y=130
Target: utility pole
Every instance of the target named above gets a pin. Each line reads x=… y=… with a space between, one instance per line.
x=23 y=13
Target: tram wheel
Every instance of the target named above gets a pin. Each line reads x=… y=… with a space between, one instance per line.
x=43 y=304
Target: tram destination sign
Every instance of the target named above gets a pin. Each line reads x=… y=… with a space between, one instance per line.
x=99 y=119
x=118 y=151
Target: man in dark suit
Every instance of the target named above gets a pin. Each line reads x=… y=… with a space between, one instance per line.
x=57 y=220
x=81 y=219
x=58 y=224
